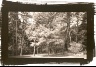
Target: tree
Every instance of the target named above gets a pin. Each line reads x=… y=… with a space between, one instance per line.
x=50 y=31
x=82 y=29
x=13 y=18
x=77 y=31
x=0 y=22
x=17 y=35
x=43 y=21
x=68 y=31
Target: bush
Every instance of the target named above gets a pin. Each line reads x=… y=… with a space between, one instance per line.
x=75 y=47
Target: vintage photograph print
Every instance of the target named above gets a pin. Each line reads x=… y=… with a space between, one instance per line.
x=47 y=33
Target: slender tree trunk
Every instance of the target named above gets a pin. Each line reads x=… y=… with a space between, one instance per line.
x=68 y=31
x=34 y=50
x=16 y=38
x=63 y=49
x=77 y=27
x=40 y=49
x=77 y=32
x=70 y=36
x=22 y=42
x=37 y=50
x=13 y=48
x=21 y=51
x=76 y=39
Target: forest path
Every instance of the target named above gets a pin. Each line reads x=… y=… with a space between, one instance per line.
x=59 y=55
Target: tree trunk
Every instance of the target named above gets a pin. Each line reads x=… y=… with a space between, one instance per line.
x=16 y=38
x=69 y=34
x=13 y=48
x=21 y=51
x=77 y=32
x=67 y=38
x=22 y=42
x=77 y=28
x=37 y=50
x=34 y=50
x=70 y=37
x=40 y=49
x=76 y=38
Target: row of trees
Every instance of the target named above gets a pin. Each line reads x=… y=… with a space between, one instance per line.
x=46 y=32
x=18 y=39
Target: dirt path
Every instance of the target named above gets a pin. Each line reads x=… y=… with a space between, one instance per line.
x=65 y=55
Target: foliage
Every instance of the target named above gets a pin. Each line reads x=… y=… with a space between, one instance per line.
x=48 y=31
x=17 y=35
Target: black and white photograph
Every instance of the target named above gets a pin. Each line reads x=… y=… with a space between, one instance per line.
x=47 y=34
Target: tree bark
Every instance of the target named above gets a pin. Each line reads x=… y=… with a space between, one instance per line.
x=21 y=51
x=34 y=50
x=13 y=48
x=77 y=29
x=16 y=38
x=70 y=36
x=67 y=38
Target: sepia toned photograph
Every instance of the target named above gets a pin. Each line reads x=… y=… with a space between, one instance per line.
x=47 y=34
